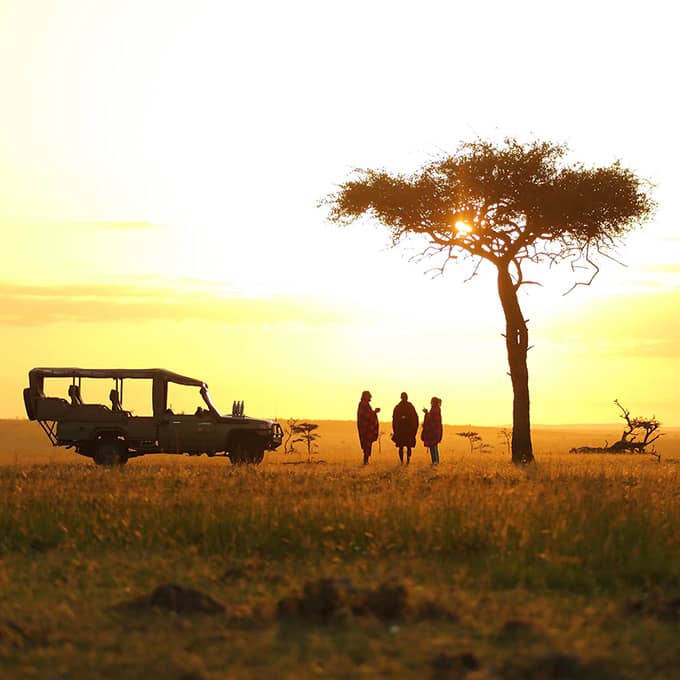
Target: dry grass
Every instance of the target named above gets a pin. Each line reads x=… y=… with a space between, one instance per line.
x=570 y=566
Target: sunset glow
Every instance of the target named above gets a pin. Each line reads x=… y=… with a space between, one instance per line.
x=463 y=228
x=163 y=163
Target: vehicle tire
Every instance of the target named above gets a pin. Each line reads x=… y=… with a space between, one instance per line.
x=246 y=451
x=237 y=452
x=110 y=451
x=256 y=455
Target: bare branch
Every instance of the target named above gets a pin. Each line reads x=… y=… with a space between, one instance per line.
x=474 y=271
x=592 y=278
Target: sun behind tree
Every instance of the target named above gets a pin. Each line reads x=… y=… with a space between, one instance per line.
x=508 y=204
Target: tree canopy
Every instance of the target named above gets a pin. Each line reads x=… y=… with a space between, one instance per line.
x=502 y=203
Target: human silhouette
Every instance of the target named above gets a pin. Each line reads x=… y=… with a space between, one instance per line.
x=404 y=427
x=367 y=424
x=432 y=428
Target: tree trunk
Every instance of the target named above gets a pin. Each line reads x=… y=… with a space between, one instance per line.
x=517 y=344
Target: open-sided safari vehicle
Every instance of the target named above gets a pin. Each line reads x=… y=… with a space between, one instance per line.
x=110 y=435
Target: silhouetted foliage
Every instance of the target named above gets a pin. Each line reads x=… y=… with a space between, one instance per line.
x=305 y=433
x=507 y=437
x=476 y=442
x=289 y=434
x=381 y=434
x=508 y=204
x=630 y=441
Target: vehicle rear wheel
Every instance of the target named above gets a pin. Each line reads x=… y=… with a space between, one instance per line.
x=246 y=451
x=110 y=451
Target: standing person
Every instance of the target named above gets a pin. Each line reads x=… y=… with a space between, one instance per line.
x=404 y=427
x=432 y=428
x=367 y=424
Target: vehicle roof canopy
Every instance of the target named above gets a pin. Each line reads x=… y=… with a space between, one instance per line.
x=38 y=374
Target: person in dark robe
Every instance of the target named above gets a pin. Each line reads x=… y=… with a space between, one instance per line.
x=367 y=424
x=432 y=428
x=404 y=427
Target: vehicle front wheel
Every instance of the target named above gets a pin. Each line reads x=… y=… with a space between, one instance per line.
x=256 y=455
x=110 y=451
x=246 y=451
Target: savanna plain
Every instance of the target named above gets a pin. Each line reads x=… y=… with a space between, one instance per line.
x=190 y=568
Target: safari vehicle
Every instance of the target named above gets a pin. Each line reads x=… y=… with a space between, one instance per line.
x=110 y=435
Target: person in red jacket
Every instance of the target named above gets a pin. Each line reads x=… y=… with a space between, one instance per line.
x=432 y=428
x=367 y=424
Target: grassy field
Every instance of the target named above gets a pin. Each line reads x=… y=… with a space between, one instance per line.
x=567 y=569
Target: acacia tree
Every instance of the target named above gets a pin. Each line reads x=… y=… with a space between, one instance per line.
x=305 y=433
x=508 y=204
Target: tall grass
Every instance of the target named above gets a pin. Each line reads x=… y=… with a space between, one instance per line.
x=568 y=524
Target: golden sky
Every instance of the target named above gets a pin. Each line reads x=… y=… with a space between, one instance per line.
x=161 y=162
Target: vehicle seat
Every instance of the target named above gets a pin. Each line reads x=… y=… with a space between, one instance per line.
x=74 y=394
x=115 y=401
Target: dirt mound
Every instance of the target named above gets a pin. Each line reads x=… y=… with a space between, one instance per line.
x=657 y=606
x=328 y=599
x=556 y=665
x=516 y=630
x=178 y=599
x=446 y=666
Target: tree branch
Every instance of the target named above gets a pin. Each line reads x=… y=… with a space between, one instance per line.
x=592 y=278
